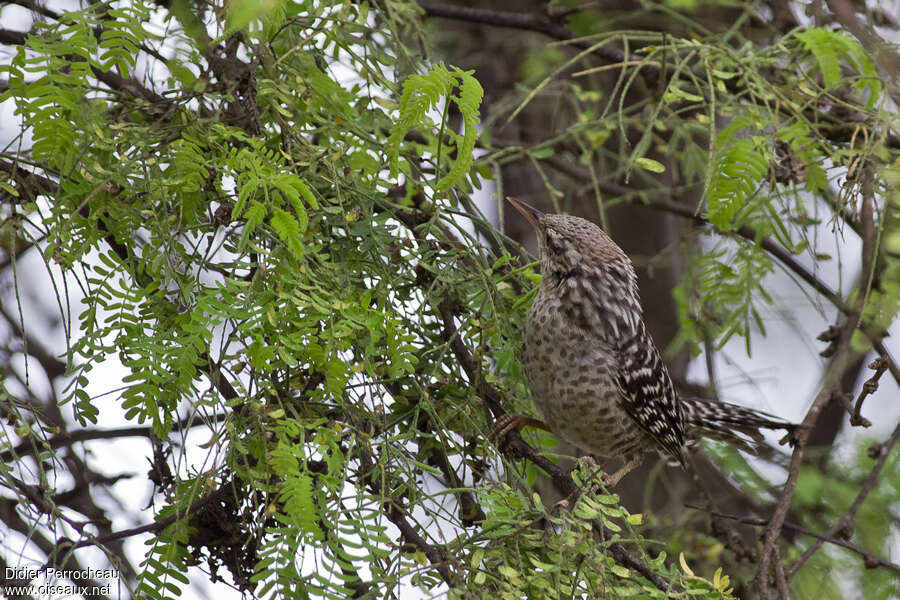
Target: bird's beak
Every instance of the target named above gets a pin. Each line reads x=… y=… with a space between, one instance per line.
x=531 y=214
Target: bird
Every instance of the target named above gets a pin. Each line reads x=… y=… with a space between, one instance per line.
x=595 y=375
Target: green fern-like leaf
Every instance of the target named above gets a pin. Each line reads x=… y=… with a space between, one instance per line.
x=468 y=101
x=719 y=297
x=165 y=565
x=289 y=231
x=422 y=93
x=829 y=47
x=823 y=44
x=739 y=169
x=296 y=493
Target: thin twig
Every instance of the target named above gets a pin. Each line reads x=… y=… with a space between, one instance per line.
x=879 y=365
x=788 y=261
x=470 y=511
x=551 y=25
x=84 y=435
x=727 y=534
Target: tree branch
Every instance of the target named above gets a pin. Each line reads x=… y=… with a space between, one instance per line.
x=871 y=560
x=880 y=452
x=844 y=355
x=879 y=365
x=9 y=36
x=541 y=22
x=35 y=7
x=438 y=556
x=85 y=435
x=155 y=526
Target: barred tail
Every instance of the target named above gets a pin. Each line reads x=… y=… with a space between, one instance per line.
x=724 y=421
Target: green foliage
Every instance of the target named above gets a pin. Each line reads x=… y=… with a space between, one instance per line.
x=737 y=174
x=718 y=297
x=163 y=568
x=829 y=48
x=420 y=94
x=548 y=541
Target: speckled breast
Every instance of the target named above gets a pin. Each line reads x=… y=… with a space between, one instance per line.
x=573 y=384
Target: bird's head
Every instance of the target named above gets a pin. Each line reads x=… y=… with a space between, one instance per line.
x=568 y=244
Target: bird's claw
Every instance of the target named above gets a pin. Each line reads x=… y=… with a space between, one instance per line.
x=507 y=423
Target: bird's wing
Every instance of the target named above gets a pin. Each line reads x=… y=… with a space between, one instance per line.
x=648 y=395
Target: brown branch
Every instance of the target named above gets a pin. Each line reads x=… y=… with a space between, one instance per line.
x=869 y=255
x=131 y=87
x=781 y=583
x=880 y=452
x=871 y=560
x=29 y=184
x=8 y=36
x=156 y=526
x=85 y=435
x=829 y=388
x=879 y=365
x=438 y=556
x=766 y=243
x=540 y=22
x=844 y=355
x=35 y=7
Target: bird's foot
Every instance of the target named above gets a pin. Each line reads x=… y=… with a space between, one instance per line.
x=506 y=424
